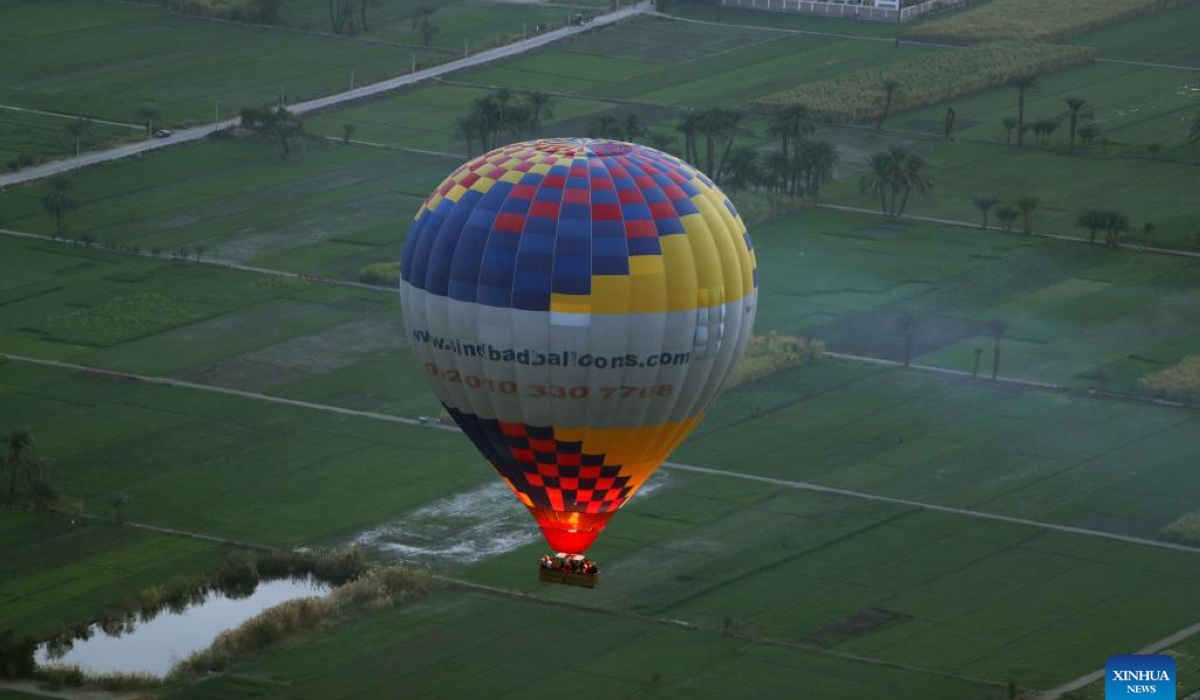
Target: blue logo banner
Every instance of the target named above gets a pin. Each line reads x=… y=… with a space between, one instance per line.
x=1139 y=677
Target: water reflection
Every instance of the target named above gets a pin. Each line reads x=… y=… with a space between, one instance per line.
x=155 y=643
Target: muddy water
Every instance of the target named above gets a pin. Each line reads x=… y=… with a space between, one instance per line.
x=467 y=527
x=156 y=645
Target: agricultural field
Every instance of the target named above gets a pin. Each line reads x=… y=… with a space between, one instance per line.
x=1133 y=106
x=793 y=21
x=25 y=134
x=1034 y=20
x=1168 y=37
x=59 y=569
x=124 y=56
x=674 y=63
x=929 y=79
x=425 y=118
x=703 y=549
x=328 y=210
x=478 y=23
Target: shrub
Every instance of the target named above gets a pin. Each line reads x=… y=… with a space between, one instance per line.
x=384 y=274
x=1185 y=530
x=1180 y=382
x=773 y=353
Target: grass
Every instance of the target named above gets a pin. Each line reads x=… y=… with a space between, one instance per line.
x=666 y=63
x=329 y=210
x=927 y=79
x=56 y=570
x=1167 y=37
x=22 y=133
x=1033 y=20
x=480 y=24
x=783 y=20
x=1180 y=382
x=1133 y=105
x=513 y=648
x=124 y=55
x=224 y=465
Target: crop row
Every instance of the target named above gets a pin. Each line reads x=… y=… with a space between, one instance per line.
x=926 y=79
x=1035 y=20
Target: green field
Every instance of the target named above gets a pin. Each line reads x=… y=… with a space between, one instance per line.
x=715 y=585
x=56 y=570
x=22 y=133
x=124 y=55
x=705 y=550
x=1168 y=37
x=328 y=210
x=477 y=22
x=672 y=63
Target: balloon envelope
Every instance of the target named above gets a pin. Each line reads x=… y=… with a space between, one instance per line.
x=577 y=306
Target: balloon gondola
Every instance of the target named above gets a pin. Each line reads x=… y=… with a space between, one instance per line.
x=577 y=305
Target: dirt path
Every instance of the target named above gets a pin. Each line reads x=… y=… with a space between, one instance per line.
x=975 y=225
x=1153 y=648
x=31 y=688
x=784 y=483
x=199 y=132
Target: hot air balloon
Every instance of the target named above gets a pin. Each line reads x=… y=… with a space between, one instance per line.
x=578 y=305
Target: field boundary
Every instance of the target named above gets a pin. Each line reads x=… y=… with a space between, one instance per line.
x=785 y=483
x=1151 y=648
x=198 y=133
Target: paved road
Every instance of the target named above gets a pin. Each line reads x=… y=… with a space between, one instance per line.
x=785 y=483
x=199 y=132
x=60 y=115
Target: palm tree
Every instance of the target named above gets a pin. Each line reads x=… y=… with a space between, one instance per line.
x=743 y=168
x=688 y=126
x=119 y=503
x=149 y=114
x=1116 y=223
x=424 y=24
x=659 y=140
x=1009 y=124
x=791 y=124
x=1089 y=133
x=607 y=126
x=1023 y=84
x=984 y=204
x=996 y=327
x=1077 y=107
x=1093 y=220
x=1027 y=205
x=1007 y=214
x=731 y=127
x=58 y=200
x=541 y=108
x=633 y=126
x=348 y=130
x=818 y=159
x=877 y=180
x=890 y=87
x=908 y=323
x=19 y=443
x=908 y=176
x=78 y=129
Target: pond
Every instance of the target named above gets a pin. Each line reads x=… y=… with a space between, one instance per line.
x=154 y=646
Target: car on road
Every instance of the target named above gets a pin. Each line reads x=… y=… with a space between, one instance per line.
x=161 y=133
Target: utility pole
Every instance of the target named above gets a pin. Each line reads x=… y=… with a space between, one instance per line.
x=216 y=115
x=466 y=47
x=414 y=63
x=351 y=77
x=899 y=13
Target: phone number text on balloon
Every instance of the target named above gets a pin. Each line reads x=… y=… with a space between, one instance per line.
x=554 y=391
